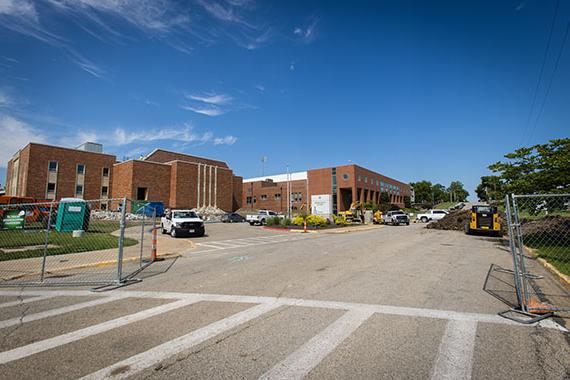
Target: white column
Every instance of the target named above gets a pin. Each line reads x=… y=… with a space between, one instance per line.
x=216 y=187
x=198 y=190
x=210 y=188
x=204 y=187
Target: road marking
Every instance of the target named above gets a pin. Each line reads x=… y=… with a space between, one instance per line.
x=380 y=309
x=61 y=310
x=155 y=355
x=26 y=300
x=302 y=361
x=237 y=243
x=43 y=345
x=455 y=355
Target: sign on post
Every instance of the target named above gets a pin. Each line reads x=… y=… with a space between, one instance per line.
x=322 y=205
x=13 y=220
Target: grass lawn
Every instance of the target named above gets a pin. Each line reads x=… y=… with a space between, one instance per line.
x=445 y=205
x=98 y=237
x=559 y=256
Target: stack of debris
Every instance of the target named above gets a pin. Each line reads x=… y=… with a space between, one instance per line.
x=114 y=215
x=210 y=213
x=546 y=230
x=455 y=220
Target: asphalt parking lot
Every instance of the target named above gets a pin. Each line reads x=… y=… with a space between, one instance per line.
x=247 y=302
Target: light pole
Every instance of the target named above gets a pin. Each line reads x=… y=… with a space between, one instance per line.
x=288 y=193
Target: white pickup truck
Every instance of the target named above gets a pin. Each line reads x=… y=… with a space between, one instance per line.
x=431 y=215
x=182 y=222
x=260 y=218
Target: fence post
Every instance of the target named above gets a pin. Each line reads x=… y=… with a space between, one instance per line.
x=121 y=240
x=142 y=237
x=46 y=242
x=521 y=254
x=516 y=269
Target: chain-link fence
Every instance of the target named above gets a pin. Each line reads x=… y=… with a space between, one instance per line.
x=72 y=241
x=539 y=228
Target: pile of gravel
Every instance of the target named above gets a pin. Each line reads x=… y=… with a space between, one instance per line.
x=210 y=213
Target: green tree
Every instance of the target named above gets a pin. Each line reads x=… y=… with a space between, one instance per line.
x=541 y=168
x=491 y=188
x=456 y=192
x=439 y=193
x=422 y=191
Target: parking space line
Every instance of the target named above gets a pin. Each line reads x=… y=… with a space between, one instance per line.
x=155 y=355
x=302 y=361
x=455 y=356
x=61 y=310
x=26 y=300
x=34 y=348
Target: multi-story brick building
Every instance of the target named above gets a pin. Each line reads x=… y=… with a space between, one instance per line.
x=345 y=184
x=176 y=179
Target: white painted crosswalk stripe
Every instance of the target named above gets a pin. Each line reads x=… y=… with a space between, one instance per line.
x=159 y=353
x=455 y=355
x=61 y=310
x=34 y=348
x=211 y=246
x=301 y=362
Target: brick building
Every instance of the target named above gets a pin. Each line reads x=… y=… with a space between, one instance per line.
x=345 y=184
x=176 y=179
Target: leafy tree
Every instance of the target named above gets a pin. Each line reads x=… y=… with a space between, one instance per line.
x=541 y=168
x=422 y=191
x=384 y=198
x=439 y=193
x=456 y=192
x=491 y=188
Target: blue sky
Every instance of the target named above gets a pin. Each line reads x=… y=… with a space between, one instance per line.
x=413 y=90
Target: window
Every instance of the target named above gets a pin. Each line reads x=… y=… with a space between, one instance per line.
x=104 y=191
x=103 y=206
x=142 y=194
x=105 y=172
x=277 y=196
x=365 y=179
x=263 y=197
x=52 y=166
x=345 y=176
x=254 y=200
x=51 y=188
x=249 y=190
x=359 y=178
x=80 y=169
x=79 y=190
x=248 y=200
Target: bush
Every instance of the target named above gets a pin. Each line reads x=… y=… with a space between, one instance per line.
x=340 y=220
x=298 y=221
x=274 y=221
x=285 y=222
x=317 y=221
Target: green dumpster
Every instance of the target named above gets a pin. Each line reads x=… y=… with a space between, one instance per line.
x=72 y=214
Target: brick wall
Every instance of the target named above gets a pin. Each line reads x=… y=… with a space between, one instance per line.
x=270 y=189
x=237 y=193
x=164 y=156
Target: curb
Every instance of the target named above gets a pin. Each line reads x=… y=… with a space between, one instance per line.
x=92 y=265
x=561 y=277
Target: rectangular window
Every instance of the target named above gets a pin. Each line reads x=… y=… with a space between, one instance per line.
x=254 y=200
x=51 y=188
x=359 y=178
x=79 y=190
x=365 y=179
x=105 y=172
x=80 y=169
x=277 y=196
x=52 y=166
x=104 y=191
x=142 y=194
x=263 y=197
x=248 y=200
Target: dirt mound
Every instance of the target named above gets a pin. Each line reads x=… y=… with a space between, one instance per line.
x=455 y=220
x=547 y=230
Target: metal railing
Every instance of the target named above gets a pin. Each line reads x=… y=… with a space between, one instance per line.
x=539 y=229
x=72 y=241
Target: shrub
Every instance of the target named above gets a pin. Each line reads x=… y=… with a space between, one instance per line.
x=340 y=220
x=317 y=221
x=274 y=221
x=298 y=221
x=286 y=222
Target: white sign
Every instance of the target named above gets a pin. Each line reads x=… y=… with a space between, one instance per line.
x=322 y=205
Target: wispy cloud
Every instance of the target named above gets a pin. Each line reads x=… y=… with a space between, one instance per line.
x=209 y=104
x=19 y=134
x=86 y=65
x=521 y=5
x=307 y=33
x=5 y=100
x=227 y=140
x=292 y=66
x=260 y=88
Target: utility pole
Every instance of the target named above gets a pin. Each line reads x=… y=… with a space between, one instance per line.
x=288 y=193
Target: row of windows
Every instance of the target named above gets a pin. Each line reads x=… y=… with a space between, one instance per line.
x=80 y=170
x=52 y=167
x=383 y=185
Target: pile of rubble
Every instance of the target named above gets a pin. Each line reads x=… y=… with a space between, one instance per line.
x=547 y=230
x=455 y=220
x=114 y=215
x=210 y=213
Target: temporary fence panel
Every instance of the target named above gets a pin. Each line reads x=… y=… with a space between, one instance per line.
x=539 y=228
x=72 y=241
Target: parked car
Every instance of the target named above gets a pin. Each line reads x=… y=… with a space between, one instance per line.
x=232 y=217
x=182 y=222
x=431 y=215
x=395 y=218
x=261 y=217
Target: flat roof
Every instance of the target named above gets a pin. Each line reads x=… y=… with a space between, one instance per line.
x=297 y=176
x=66 y=148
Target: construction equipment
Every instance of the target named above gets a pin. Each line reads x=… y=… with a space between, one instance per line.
x=484 y=219
x=377 y=218
x=354 y=214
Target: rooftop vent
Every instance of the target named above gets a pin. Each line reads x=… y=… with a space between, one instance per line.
x=91 y=147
